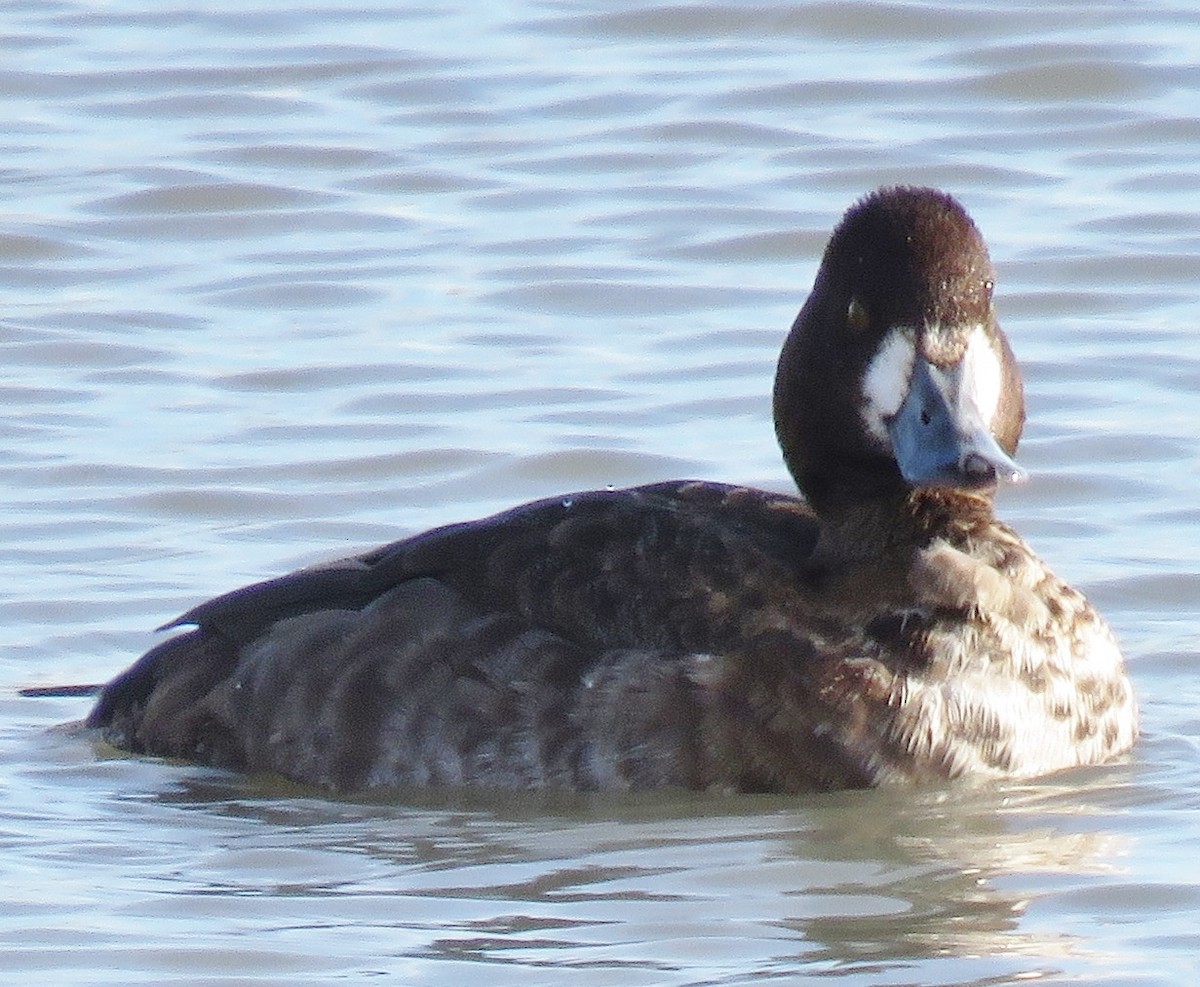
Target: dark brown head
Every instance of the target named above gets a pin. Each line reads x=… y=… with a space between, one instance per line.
x=896 y=374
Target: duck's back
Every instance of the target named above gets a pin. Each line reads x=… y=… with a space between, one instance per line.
x=562 y=644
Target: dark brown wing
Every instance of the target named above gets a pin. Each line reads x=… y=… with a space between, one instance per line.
x=555 y=645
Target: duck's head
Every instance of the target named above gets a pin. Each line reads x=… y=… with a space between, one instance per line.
x=896 y=375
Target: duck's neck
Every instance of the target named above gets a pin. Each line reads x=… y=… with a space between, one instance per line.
x=877 y=527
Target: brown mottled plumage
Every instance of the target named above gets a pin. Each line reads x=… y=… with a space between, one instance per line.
x=689 y=633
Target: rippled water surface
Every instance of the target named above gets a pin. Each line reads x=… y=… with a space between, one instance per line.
x=280 y=284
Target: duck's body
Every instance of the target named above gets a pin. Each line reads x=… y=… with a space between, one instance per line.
x=689 y=633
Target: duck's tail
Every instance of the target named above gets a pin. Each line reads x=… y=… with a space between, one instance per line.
x=60 y=691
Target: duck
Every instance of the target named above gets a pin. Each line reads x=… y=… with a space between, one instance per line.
x=883 y=627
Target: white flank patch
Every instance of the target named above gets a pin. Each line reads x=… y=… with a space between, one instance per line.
x=885 y=384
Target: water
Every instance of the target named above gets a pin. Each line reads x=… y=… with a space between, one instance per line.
x=281 y=284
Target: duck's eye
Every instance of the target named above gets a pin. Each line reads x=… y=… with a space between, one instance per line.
x=988 y=287
x=857 y=317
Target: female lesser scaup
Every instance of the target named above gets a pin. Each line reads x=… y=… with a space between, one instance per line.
x=691 y=633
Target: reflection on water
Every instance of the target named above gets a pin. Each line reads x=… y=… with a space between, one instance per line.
x=683 y=887
x=283 y=283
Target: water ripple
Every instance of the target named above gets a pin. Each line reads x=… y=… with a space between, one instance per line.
x=284 y=282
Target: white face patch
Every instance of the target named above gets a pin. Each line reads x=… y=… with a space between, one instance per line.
x=975 y=383
x=886 y=381
x=982 y=377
